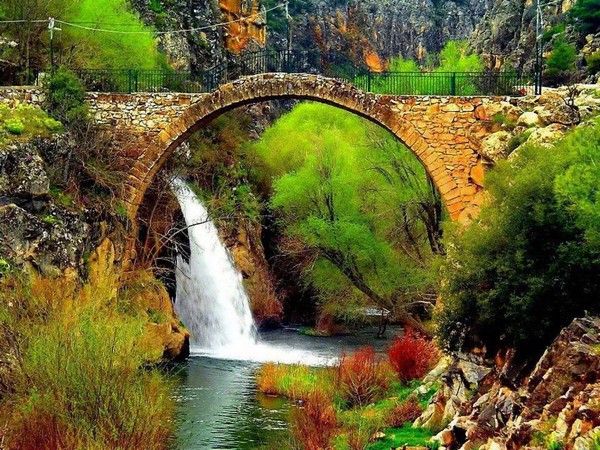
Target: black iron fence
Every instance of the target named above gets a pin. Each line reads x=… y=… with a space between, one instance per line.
x=487 y=83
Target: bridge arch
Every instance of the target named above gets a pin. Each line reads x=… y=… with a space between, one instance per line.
x=444 y=133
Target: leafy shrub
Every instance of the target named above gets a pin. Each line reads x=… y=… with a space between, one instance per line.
x=14 y=126
x=314 y=423
x=407 y=411
x=593 y=62
x=503 y=120
x=79 y=380
x=412 y=356
x=561 y=61
x=362 y=377
x=52 y=125
x=529 y=264
x=4 y=266
x=66 y=98
x=517 y=140
x=552 y=31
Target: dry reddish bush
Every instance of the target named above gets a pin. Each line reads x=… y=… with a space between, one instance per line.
x=412 y=355
x=407 y=411
x=266 y=379
x=314 y=424
x=362 y=377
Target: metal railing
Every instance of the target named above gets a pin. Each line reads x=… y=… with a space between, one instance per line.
x=487 y=83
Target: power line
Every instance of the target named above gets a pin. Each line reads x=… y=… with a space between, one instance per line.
x=105 y=30
x=25 y=21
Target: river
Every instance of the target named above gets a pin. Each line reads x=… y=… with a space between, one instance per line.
x=218 y=406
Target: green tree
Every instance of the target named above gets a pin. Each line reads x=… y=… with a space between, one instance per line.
x=350 y=202
x=586 y=14
x=531 y=262
x=561 y=61
x=134 y=48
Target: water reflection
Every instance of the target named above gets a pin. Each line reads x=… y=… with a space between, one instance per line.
x=219 y=407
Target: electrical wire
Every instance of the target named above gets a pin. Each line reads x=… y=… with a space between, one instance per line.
x=105 y=30
x=189 y=30
x=24 y=21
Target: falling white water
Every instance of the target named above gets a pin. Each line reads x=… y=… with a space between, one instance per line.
x=210 y=297
x=211 y=300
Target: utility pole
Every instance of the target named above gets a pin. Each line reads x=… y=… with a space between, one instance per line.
x=289 y=26
x=539 y=47
x=51 y=29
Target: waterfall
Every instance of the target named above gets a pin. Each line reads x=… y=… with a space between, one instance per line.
x=210 y=297
x=211 y=300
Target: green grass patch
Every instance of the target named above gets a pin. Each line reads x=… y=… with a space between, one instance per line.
x=23 y=122
x=406 y=435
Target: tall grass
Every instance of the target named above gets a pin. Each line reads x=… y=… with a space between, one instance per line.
x=77 y=378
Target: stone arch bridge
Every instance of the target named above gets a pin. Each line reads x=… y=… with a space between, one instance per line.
x=445 y=133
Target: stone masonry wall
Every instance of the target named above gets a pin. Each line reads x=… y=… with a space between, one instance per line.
x=445 y=133
x=12 y=95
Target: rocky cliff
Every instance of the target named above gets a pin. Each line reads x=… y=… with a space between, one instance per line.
x=556 y=406
x=371 y=30
x=385 y=28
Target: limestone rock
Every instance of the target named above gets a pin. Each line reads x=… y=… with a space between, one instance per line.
x=555 y=108
x=22 y=172
x=51 y=241
x=245 y=245
x=164 y=331
x=559 y=400
x=528 y=119
x=495 y=146
x=547 y=136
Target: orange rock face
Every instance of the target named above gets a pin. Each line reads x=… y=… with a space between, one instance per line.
x=248 y=24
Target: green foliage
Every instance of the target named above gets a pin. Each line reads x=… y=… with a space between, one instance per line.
x=504 y=121
x=62 y=198
x=65 y=98
x=517 y=140
x=593 y=62
x=549 y=33
x=79 y=381
x=437 y=79
x=50 y=219
x=75 y=46
x=4 y=267
x=586 y=15
x=222 y=169
x=529 y=264
x=14 y=126
x=561 y=61
x=23 y=122
x=111 y=50
x=403 y=436
x=348 y=194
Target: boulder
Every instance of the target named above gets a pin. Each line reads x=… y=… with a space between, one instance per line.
x=547 y=136
x=554 y=108
x=528 y=119
x=495 y=146
x=560 y=399
x=22 y=172
x=52 y=240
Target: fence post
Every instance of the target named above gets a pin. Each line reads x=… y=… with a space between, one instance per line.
x=129 y=81
x=136 y=75
x=453 y=84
